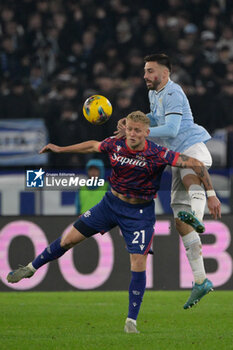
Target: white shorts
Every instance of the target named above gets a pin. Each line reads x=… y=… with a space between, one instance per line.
x=179 y=196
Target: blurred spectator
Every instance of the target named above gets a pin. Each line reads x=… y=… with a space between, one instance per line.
x=36 y=78
x=224 y=106
x=179 y=75
x=191 y=33
x=18 y=103
x=34 y=36
x=150 y=40
x=65 y=95
x=203 y=107
x=15 y=32
x=229 y=72
x=88 y=196
x=210 y=23
x=105 y=86
x=7 y=15
x=135 y=62
x=226 y=39
x=207 y=80
x=172 y=33
x=46 y=58
x=67 y=130
x=220 y=67
x=75 y=60
x=123 y=105
x=124 y=35
x=209 y=49
x=9 y=59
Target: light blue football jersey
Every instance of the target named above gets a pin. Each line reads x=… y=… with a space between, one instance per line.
x=171 y=99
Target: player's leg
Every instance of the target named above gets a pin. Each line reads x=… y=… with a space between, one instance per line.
x=54 y=251
x=180 y=201
x=136 y=290
x=194 y=188
x=97 y=219
x=138 y=231
x=193 y=247
x=197 y=197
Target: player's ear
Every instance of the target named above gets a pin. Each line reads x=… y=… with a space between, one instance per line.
x=147 y=132
x=165 y=72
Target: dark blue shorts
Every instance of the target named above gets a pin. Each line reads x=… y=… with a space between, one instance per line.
x=136 y=222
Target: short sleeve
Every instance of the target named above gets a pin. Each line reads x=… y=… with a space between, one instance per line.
x=167 y=157
x=106 y=145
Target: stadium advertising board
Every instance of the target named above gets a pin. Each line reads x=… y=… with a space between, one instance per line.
x=18 y=199
x=20 y=141
x=102 y=262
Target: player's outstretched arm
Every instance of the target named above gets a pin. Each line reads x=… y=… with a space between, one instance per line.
x=214 y=204
x=83 y=147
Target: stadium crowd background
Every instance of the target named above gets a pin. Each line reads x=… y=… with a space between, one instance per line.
x=55 y=54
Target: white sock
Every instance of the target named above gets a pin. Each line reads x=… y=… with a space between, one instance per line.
x=198 y=200
x=192 y=244
x=31 y=267
x=132 y=320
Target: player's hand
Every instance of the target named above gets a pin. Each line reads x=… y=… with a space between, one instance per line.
x=121 y=126
x=50 y=148
x=214 y=206
x=119 y=133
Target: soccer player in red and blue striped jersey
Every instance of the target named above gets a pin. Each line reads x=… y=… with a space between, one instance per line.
x=137 y=166
x=136 y=174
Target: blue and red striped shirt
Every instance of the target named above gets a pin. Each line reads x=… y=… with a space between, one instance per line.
x=137 y=173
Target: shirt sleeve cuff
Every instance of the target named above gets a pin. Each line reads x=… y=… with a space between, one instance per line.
x=176 y=158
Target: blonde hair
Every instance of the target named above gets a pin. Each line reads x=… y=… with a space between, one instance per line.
x=138 y=116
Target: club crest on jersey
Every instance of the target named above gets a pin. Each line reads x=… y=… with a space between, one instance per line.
x=118 y=148
x=124 y=160
x=138 y=156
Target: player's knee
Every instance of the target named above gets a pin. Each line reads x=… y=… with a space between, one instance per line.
x=138 y=262
x=72 y=238
x=189 y=180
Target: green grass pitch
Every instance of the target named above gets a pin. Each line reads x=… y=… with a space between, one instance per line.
x=95 y=320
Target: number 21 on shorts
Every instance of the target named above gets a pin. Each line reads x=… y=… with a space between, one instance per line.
x=139 y=235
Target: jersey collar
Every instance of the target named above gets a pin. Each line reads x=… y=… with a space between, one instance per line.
x=157 y=92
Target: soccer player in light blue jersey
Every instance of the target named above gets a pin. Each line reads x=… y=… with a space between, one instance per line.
x=172 y=122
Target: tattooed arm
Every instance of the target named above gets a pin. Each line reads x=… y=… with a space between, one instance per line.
x=184 y=161
x=214 y=205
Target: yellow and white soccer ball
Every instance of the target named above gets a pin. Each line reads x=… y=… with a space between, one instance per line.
x=97 y=109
